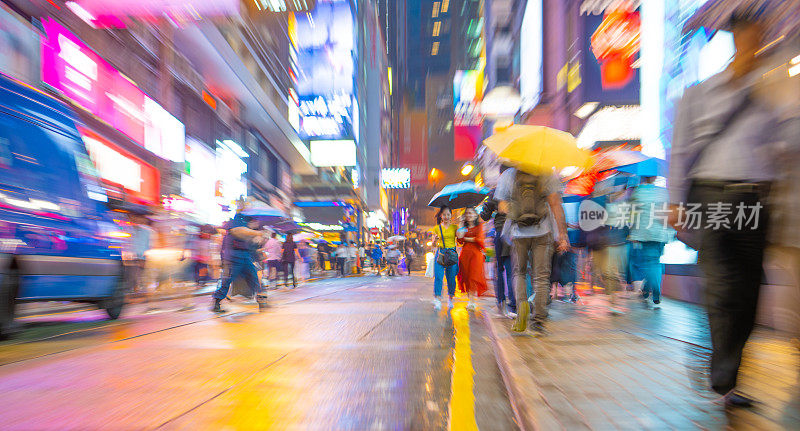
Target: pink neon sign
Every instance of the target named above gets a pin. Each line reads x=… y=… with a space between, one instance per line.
x=71 y=67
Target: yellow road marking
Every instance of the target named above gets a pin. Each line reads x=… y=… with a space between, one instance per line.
x=462 y=397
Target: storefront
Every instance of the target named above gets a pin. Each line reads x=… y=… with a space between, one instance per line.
x=231 y=184
x=120 y=171
x=198 y=181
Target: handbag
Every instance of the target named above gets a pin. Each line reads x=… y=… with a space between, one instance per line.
x=446 y=257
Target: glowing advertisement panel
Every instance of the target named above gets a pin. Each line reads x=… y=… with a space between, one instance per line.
x=119 y=168
x=72 y=68
x=610 y=72
x=396 y=178
x=111 y=13
x=467 y=118
x=333 y=153
x=323 y=46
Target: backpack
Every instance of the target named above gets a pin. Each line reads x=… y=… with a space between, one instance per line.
x=528 y=200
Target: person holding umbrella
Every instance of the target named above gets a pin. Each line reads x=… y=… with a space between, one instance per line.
x=446 y=260
x=244 y=238
x=529 y=201
x=471 y=273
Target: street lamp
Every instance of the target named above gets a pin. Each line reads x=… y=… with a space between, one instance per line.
x=467 y=169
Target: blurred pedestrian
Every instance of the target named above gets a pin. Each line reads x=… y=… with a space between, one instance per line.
x=446 y=261
x=648 y=237
x=289 y=258
x=341 y=258
x=504 y=278
x=274 y=250
x=201 y=258
x=471 y=273
x=392 y=260
x=611 y=255
x=140 y=242
x=377 y=257
x=245 y=236
x=410 y=255
x=530 y=201
x=720 y=159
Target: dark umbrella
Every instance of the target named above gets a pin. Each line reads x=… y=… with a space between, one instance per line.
x=461 y=195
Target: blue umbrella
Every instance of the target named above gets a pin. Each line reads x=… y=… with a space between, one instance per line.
x=651 y=167
x=460 y=195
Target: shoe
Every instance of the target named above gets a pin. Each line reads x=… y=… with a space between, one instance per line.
x=450 y=303
x=538 y=329
x=645 y=294
x=735 y=399
x=522 y=318
x=614 y=311
x=216 y=307
x=437 y=304
x=471 y=306
x=251 y=301
x=573 y=299
x=511 y=315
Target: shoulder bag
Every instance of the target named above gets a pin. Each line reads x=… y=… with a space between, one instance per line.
x=446 y=257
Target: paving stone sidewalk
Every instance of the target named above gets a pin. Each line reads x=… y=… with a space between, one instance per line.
x=646 y=369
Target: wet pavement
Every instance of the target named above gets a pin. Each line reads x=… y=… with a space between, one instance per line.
x=646 y=369
x=357 y=353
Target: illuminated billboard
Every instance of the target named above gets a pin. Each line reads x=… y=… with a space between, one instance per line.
x=333 y=153
x=610 y=68
x=72 y=68
x=396 y=178
x=531 y=55
x=467 y=118
x=323 y=53
x=111 y=13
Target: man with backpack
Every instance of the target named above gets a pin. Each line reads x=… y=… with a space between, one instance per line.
x=529 y=201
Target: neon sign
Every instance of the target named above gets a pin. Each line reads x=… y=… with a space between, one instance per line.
x=398 y=178
x=72 y=68
x=615 y=43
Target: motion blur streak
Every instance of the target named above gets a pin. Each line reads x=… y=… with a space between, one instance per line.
x=462 y=402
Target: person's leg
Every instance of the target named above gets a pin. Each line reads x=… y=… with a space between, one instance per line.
x=508 y=274
x=294 y=275
x=732 y=263
x=499 y=281
x=438 y=276
x=250 y=274
x=234 y=268
x=521 y=251
x=541 y=258
x=651 y=258
x=639 y=268
x=451 y=272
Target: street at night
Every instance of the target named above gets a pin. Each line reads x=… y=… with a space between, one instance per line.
x=355 y=353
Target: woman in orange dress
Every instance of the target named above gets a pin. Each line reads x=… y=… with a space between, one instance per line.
x=471 y=275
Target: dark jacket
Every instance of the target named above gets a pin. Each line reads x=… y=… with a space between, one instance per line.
x=489 y=209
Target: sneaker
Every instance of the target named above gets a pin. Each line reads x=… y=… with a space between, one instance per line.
x=614 y=311
x=450 y=303
x=573 y=299
x=522 y=320
x=511 y=314
x=216 y=308
x=471 y=306
x=735 y=399
x=538 y=329
x=657 y=304
x=437 y=304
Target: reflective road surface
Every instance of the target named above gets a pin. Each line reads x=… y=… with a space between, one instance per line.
x=357 y=353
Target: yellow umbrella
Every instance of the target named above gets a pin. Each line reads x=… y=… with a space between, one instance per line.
x=535 y=149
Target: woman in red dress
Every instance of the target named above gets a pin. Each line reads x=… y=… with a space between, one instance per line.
x=471 y=276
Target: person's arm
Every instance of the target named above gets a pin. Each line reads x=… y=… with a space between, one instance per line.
x=554 y=199
x=245 y=233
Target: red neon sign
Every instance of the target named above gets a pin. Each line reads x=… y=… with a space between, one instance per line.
x=615 y=43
